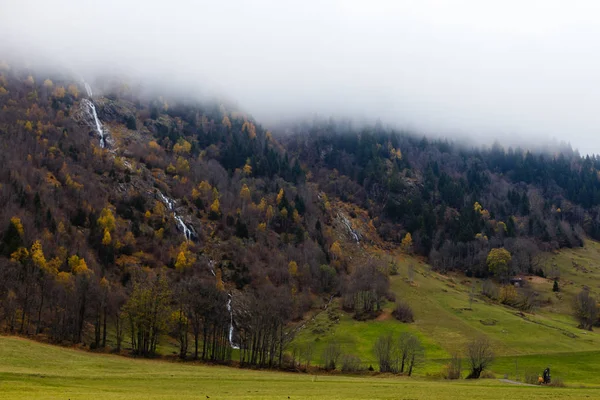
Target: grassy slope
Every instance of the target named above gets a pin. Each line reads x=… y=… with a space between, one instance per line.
x=445 y=323
x=30 y=370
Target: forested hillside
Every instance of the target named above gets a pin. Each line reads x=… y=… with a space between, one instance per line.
x=127 y=216
x=457 y=203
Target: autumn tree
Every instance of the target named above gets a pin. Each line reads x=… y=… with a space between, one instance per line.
x=148 y=310
x=407 y=243
x=498 y=262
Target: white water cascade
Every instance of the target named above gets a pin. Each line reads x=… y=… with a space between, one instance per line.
x=230 y=309
x=170 y=204
x=352 y=232
x=91 y=109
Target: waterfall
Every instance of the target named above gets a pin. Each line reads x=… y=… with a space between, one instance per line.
x=349 y=227
x=188 y=233
x=91 y=109
x=88 y=89
x=99 y=129
x=230 y=309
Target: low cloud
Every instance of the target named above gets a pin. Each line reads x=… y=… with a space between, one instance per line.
x=520 y=69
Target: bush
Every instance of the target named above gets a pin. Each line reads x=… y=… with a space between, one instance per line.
x=508 y=295
x=489 y=289
x=351 y=363
x=454 y=368
x=487 y=375
x=403 y=312
x=531 y=378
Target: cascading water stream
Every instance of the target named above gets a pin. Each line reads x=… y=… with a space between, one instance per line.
x=99 y=129
x=91 y=109
x=230 y=309
x=169 y=203
x=187 y=232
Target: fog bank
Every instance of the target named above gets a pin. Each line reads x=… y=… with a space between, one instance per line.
x=520 y=69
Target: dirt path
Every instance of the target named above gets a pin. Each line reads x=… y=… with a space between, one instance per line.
x=509 y=381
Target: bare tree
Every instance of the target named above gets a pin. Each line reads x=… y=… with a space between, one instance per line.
x=455 y=367
x=585 y=310
x=410 y=352
x=386 y=350
x=307 y=353
x=331 y=354
x=480 y=355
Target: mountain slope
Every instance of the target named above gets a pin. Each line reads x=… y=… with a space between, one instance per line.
x=128 y=217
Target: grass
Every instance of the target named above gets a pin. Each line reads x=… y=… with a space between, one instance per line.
x=445 y=322
x=30 y=370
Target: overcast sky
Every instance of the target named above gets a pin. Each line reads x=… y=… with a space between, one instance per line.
x=528 y=69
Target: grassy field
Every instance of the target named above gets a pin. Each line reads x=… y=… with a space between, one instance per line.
x=29 y=370
x=445 y=322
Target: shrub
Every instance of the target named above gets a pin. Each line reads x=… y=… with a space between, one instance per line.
x=403 y=312
x=351 y=363
x=454 y=368
x=555 y=287
x=531 y=378
x=487 y=375
x=489 y=289
x=508 y=295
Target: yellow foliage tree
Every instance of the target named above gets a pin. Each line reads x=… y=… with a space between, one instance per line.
x=153 y=145
x=182 y=147
x=37 y=255
x=183 y=166
x=498 y=262
x=48 y=84
x=185 y=258
x=262 y=205
x=280 y=196
x=20 y=255
x=407 y=243
x=16 y=222
x=247 y=168
x=73 y=91
x=106 y=239
x=245 y=193
x=336 y=250
x=205 y=188
x=250 y=129
x=78 y=265
x=107 y=220
x=293 y=268
x=270 y=213
x=28 y=126
x=59 y=92
x=226 y=122
x=215 y=206
x=296 y=216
